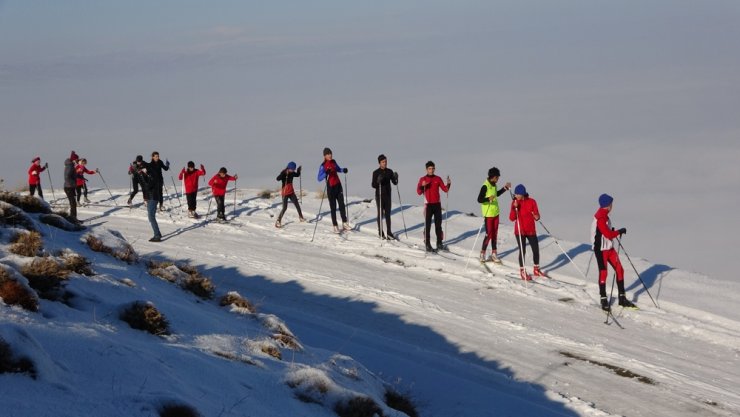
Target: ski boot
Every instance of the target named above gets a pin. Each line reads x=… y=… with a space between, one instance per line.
x=495 y=259
x=336 y=230
x=625 y=303
x=538 y=273
x=390 y=236
x=524 y=275
x=87 y=201
x=346 y=226
x=301 y=219
x=605 y=304
x=482 y=256
x=429 y=248
x=278 y=224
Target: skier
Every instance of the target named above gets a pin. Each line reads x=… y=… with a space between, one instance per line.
x=189 y=176
x=288 y=192
x=603 y=233
x=524 y=213
x=155 y=168
x=70 y=185
x=488 y=199
x=133 y=170
x=329 y=171
x=149 y=189
x=81 y=170
x=34 y=178
x=218 y=187
x=429 y=185
x=382 y=178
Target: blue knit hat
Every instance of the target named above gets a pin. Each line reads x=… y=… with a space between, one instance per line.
x=520 y=190
x=291 y=165
x=605 y=200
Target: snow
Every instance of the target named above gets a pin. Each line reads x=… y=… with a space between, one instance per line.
x=366 y=314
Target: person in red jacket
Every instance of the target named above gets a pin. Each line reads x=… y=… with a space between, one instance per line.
x=524 y=213
x=288 y=192
x=329 y=171
x=81 y=170
x=603 y=233
x=34 y=176
x=218 y=187
x=189 y=177
x=429 y=185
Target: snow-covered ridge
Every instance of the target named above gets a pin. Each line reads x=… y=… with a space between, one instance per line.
x=461 y=341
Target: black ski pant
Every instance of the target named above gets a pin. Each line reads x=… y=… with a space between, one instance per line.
x=292 y=197
x=335 y=195
x=72 y=197
x=433 y=210
x=190 y=197
x=220 y=206
x=32 y=188
x=81 y=190
x=135 y=184
x=383 y=205
x=521 y=242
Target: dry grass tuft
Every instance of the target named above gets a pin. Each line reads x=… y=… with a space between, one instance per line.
x=60 y=222
x=14 y=293
x=78 y=264
x=126 y=253
x=272 y=351
x=287 y=341
x=401 y=403
x=27 y=203
x=46 y=275
x=10 y=365
x=178 y=410
x=144 y=316
x=233 y=298
x=265 y=194
x=27 y=244
x=186 y=276
x=358 y=407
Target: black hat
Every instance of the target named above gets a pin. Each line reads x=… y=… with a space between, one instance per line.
x=381 y=157
x=430 y=164
x=139 y=158
x=222 y=170
x=327 y=151
x=494 y=172
x=191 y=164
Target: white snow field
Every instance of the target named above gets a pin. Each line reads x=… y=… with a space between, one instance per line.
x=368 y=314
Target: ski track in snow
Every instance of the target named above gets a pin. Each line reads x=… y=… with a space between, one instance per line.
x=691 y=351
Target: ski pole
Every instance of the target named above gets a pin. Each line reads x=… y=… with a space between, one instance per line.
x=562 y=250
x=169 y=196
x=106 y=186
x=380 y=213
x=233 y=213
x=447 y=204
x=179 y=202
x=208 y=211
x=611 y=295
x=635 y=269
x=346 y=196
x=402 y=216
x=474 y=244
x=48 y=172
x=300 y=188
x=319 y=212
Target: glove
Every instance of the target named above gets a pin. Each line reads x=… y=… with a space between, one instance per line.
x=46 y=165
x=345 y=170
x=167 y=163
x=299 y=169
x=395 y=177
x=622 y=231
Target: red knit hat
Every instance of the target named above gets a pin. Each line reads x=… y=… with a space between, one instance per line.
x=73 y=156
x=38 y=158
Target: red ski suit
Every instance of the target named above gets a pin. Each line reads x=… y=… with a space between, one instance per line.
x=528 y=214
x=80 y=170
x=431 y=190
x=191 y=178
x=33 y=174
x=218 y=184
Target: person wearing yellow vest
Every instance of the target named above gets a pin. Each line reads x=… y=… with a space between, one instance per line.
x=488 y=199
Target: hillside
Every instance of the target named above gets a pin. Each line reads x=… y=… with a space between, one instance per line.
x=351 y=317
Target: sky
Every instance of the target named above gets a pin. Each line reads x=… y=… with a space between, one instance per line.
x=637 y=99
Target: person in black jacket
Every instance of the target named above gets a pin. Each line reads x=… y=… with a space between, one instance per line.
x=155 y=172
x=288 y=192
x=382 y=179
x=152 y=194
x=135 y=167
x=70 y=185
